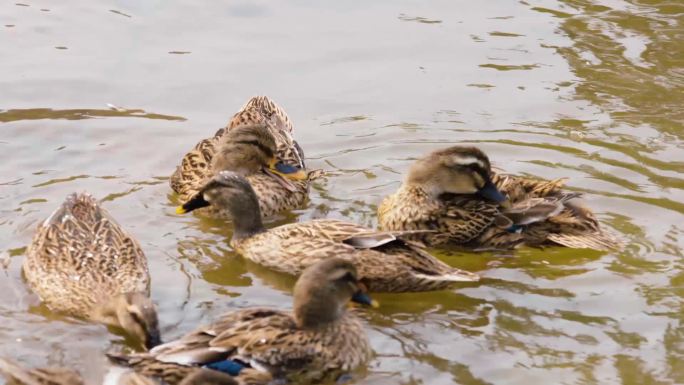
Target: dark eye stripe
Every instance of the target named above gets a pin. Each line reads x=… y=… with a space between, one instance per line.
x=256 y=143
x=476 y=168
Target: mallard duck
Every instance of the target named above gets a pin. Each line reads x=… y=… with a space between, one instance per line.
x=64 y=376
x=257 y=144
x=384 y=260
x=455 y=192
x=318 y=339
x=39 y=376
x=83 y=264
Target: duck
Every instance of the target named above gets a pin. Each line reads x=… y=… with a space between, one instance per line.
x=455 y=193
x=83 y=264
x=64 y=376
x=385 y=260
x=318 y=339
x=39 y=376
x=257 y=143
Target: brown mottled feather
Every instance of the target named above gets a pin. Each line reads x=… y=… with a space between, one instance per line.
x=80 y=256
x=39 y=376
x=473 y=222
x=195 y=166
x=395 y=266
x=273 y=343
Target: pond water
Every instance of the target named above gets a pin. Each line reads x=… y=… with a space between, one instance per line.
x=591 y=90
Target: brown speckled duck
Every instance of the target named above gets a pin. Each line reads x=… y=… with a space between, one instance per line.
x=83 y=264
x=39 y=376
x=318 y=339
x=455 y=193
x=257 y=144
x=63 y=376
x=385 y=262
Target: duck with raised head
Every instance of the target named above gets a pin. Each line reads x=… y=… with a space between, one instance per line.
x=455 y=193
x=83 y=264
x=386 y=263
x=257 y=144
x=318 y=339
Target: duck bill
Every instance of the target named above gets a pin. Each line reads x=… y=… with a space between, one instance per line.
x=489 y=191
x=197 y=202
x=364 y=299
x=287 y=185
x=288 y=171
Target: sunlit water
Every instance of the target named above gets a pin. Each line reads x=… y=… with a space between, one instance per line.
x=592 y=90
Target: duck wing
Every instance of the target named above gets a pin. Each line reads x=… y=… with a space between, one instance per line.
x=195 y=167
x=465 y=218
x=535 y=210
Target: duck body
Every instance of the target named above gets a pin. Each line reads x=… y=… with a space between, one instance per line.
x=385 y=262
x=64 y=376
x=83 y=264
x=316 y=340
x=533 y=212
x=199 y=164
x=39 y=376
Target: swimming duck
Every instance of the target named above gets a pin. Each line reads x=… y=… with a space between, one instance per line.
x=64 y=376
x=39 y=376
x=83 y=264
x=318 y=339
x=385 y=261
x=455 y=192
x=257 y=144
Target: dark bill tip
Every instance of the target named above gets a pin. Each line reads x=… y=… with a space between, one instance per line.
x=193 y=204
x=364 y=299
x=153 y=339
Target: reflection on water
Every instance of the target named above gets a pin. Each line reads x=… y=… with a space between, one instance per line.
x=586 y=89
x=77 y=114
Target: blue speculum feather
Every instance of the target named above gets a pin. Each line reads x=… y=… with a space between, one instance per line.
x=227 y=366
x=285 y=168
x=514 y=228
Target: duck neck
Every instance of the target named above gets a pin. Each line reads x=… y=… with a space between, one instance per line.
x=105 y=310
x=318 y=314
x=246 y=215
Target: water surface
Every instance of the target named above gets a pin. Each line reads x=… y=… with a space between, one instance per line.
x=106 y=96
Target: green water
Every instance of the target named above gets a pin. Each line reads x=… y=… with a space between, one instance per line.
x=592 y=90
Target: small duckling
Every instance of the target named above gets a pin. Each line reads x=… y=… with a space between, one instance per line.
x=83 y=264
x=258 y=145
x=318 y=339
x=455 y=193
x=384 y=260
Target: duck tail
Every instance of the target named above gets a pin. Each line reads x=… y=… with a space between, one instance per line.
x=600 y=240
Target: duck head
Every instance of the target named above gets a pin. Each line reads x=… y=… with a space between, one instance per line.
x=323 y=291
x=456 y=170
x=248 y=149
x=135 y=314
x=232 y=192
